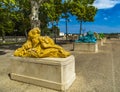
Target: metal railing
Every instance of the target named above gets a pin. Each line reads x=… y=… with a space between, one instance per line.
x=14 y=39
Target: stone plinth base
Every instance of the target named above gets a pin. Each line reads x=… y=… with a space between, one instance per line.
x=54 y=73
x=100 y=42
x=104 y=40
x=88 y=47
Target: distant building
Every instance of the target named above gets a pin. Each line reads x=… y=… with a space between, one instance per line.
x=61 y=34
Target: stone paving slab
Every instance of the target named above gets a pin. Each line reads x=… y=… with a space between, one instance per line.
x=115 y=46
x=95 y=72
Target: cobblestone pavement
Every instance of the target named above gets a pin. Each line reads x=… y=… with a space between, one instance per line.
x=95 y=72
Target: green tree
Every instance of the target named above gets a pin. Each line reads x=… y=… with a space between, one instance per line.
x=66 y=14
x=53 y=11
x=43 y=19
x=23 y=22
x=6 y=14
x=18 y=13
x=78 y=10
x=8 y=1
x=84 y=11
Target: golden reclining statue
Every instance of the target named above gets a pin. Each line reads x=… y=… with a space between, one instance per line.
x=40 y=46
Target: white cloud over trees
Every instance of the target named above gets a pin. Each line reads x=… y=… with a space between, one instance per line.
x=103 y=4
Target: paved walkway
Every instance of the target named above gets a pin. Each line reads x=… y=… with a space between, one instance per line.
x=96 y=72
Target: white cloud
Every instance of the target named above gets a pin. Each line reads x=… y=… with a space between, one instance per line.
x=105 y=18
x=103 y=4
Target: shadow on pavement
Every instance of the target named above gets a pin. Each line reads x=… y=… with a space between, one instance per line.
x=10 y=46
x=2 y=52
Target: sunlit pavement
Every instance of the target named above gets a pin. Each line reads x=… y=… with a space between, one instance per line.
x=95 y=72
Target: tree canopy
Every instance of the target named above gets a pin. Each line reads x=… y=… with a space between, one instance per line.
x=84 y=11
x=15 y=14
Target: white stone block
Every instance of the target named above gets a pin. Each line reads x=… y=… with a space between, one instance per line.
x=104 y=40
x=100 y=42
x=54 y=73
x=87 y=47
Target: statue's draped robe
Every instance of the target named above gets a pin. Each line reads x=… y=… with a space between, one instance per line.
x=40 y=46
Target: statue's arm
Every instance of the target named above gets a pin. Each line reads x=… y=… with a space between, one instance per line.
x=44 y=43
x=47 y=42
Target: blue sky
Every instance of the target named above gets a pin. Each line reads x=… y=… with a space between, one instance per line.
x=107 y=19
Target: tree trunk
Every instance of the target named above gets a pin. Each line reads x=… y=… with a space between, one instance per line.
x=66 y=29
x=3 y=36
x=80 y=28
x=55 y=35
x=53 y=28
x=56 y=32
x=26 y=34
x=34 y=16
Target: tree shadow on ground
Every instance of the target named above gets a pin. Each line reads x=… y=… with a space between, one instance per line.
x=10 y=46
x=2 y=52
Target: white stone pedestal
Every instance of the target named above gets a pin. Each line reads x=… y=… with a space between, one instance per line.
x=100 y=42
x=88 y=47
x=104 y=40
x=54 y=73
